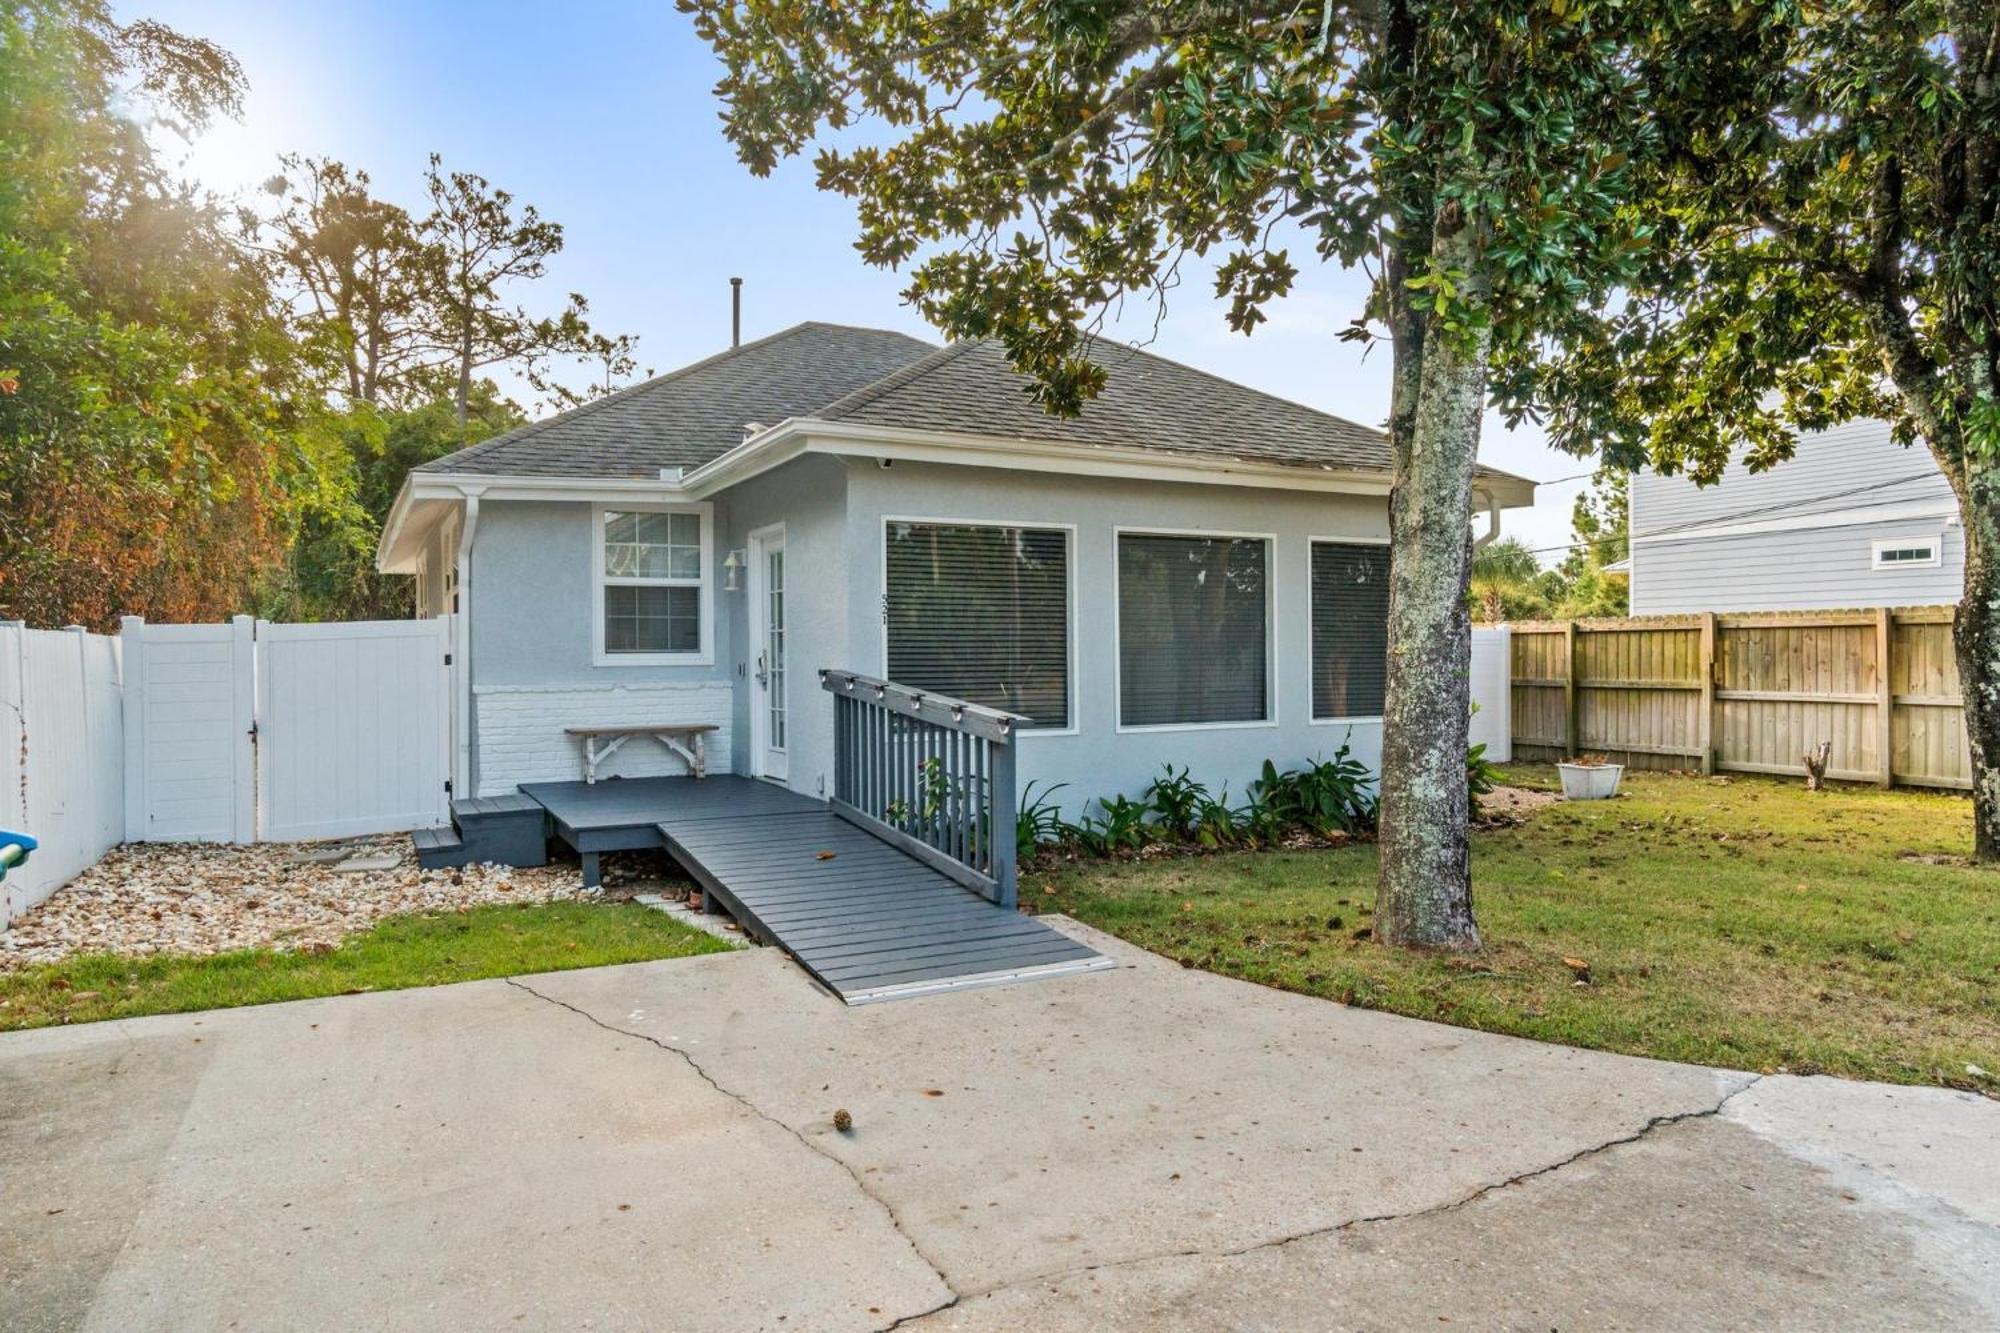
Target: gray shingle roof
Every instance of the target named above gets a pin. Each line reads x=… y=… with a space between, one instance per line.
x=834 y=372
x=1148 y=402
x=686 y=417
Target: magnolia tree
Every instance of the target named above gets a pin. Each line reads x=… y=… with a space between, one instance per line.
x=1828 y=190
x=1035 y=163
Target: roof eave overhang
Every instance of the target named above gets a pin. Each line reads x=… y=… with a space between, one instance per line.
x=426 y=497
x=805 y=435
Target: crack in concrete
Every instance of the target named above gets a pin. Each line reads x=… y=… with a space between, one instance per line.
x=888 y=1208
x=1652 y=1125
x=1655 y=1123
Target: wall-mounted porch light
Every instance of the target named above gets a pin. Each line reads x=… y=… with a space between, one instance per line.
x=732 y=565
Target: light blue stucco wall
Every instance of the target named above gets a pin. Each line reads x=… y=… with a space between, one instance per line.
x=532 y=633
x=808 y=496
x=533 y=641
x=1098 y=759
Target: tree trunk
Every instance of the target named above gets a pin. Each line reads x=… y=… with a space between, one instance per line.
x=1976 y=635
x=1424 y=893
x=465 y=371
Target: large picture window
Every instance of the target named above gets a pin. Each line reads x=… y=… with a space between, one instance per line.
x=651 y=567
x=1193 y=631
x=1350 y=629
x=982 y=613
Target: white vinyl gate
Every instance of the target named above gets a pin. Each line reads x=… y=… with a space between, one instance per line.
x=259 y=731
x=353 y=728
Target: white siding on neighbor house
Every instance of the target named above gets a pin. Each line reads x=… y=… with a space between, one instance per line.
x=1800 y=536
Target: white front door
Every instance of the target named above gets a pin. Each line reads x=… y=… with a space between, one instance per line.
x=769 y=720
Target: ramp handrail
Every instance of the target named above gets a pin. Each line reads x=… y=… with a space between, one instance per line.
x=927 y=773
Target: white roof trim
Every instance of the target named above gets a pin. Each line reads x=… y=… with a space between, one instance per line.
x=796 y=436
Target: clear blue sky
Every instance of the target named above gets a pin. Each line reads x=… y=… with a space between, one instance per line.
x=601 y=114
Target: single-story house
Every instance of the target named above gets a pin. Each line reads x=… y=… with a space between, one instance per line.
x=1854 y=519
x=1189 y=573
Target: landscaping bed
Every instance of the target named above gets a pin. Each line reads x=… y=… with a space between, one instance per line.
x=166 y=927
x=1730 y=921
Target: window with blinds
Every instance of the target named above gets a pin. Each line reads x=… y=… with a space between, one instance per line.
x=982 y=613
x=1350 y=629
x=1192 y=631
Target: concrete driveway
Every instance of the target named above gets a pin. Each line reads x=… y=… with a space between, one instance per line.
x=651 y=1147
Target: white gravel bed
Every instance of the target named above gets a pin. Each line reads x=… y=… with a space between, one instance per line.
x=151 y=898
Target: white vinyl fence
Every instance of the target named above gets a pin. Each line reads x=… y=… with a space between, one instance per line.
x=1493 y=692
x=62 y=750
x=236 y=732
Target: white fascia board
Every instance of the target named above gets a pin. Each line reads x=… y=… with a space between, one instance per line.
x=441 y=492
x=1930 y=508
x=789 y=439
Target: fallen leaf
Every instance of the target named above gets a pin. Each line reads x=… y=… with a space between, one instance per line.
x=824 y=856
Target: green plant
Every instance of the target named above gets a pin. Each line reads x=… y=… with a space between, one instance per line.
x=1176 y=800
x=1482 y=775
x=1328 y=796
x=1121 y=826
x=1215 y=822
x=1039 y=819
x=1260 y=821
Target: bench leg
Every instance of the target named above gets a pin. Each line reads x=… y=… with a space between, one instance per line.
x=590 y=875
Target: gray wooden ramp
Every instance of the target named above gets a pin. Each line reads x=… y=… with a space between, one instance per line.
x=868 y=921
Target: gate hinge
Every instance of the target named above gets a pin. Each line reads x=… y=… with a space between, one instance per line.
x=447 y=786
x=447 y=659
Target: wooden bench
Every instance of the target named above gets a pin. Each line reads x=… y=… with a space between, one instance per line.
x=686 y=739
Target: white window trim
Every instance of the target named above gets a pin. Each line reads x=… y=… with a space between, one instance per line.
x=1881 y=544
x=1069 y=600
x=1270 y=718
x=1314 y=719
x=599 y=581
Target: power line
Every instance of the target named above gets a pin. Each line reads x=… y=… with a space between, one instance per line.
x=1731 y=517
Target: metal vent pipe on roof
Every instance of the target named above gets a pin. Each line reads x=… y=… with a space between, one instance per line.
x=736 y=312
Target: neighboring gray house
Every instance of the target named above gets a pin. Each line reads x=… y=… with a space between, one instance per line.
x=1853 y=520
x=1191 y=572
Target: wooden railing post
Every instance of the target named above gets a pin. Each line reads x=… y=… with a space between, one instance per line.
x=929 y=774
x=1569 y=689
x=1004 y=842
x=1885 y=698
x=1705 y=721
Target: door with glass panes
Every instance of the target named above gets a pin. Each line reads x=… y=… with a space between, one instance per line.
x=768 y=705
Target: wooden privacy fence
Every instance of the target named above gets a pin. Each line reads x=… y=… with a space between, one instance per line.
x=1748 y=693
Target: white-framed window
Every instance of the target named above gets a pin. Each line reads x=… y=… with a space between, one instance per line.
x=981 y=611
x=1906 y=552
x=1194 y=630
x=1350 y=629
x=653 y=601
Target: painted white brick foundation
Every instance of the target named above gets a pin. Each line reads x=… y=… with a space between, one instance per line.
x=519 y=730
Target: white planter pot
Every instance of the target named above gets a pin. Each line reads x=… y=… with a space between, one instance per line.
x=1590 y=782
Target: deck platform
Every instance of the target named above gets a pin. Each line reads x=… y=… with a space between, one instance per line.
x=867 y=920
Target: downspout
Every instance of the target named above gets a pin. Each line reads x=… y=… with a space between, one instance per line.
x=461 y=778
x=1492 y=524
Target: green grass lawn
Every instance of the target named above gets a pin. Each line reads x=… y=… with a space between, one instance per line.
x=421 y=950
x=1739 y=922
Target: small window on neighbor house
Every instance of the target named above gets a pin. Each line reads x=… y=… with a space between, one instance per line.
x=981 y=614
x=652 y=573
x=1906 y=552
x=1350 y=629
x=1193 y=631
